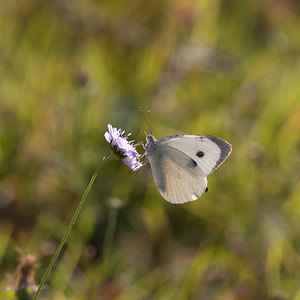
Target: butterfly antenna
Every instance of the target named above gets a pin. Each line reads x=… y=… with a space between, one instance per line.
x=145 y=118
x=149 y=115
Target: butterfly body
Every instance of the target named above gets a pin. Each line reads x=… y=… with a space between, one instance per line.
x=181 y=163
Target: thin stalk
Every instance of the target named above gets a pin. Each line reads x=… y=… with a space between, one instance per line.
x=108 y=239
x=70 y=226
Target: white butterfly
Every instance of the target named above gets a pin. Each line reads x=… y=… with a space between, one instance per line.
x=180 y=164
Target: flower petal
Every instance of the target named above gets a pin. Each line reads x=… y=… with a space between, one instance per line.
x=123 y=148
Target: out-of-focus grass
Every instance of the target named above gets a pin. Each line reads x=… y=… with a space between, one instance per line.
x=226 y=68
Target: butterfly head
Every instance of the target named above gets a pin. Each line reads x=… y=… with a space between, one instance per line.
x=150 y=139
x=150 y=145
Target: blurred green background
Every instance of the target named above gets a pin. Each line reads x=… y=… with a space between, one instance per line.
x=220 y=67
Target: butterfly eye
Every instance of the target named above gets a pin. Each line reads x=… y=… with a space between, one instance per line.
x=200 y=154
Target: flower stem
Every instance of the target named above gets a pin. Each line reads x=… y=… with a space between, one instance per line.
x=70 y=226
x=108 y=240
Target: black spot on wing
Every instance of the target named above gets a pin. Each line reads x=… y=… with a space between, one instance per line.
x=206 y=189
x=200 y=154
x=225 y=149
x=192 y=164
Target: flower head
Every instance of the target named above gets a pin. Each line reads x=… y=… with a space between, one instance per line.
x=123 y=148
x=23 y=282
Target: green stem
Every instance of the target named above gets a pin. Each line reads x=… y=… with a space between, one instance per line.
x=108 y=239
x=81 y=203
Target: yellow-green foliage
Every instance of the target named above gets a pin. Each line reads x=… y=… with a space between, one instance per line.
x=225 y=68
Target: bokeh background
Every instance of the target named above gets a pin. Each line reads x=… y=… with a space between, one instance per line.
x=220 y=67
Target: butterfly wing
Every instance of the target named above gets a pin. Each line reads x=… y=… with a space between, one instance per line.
x=209 y=152
x=178 y=177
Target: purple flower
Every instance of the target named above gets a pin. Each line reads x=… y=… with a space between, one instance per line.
x=123 y=148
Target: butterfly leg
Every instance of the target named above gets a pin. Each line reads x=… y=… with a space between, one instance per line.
x=143 y=163
x=139 y=144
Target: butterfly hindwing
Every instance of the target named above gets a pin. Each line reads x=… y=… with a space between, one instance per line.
x=177 y=176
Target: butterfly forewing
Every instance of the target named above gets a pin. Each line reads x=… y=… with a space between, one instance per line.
x=209 y=152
